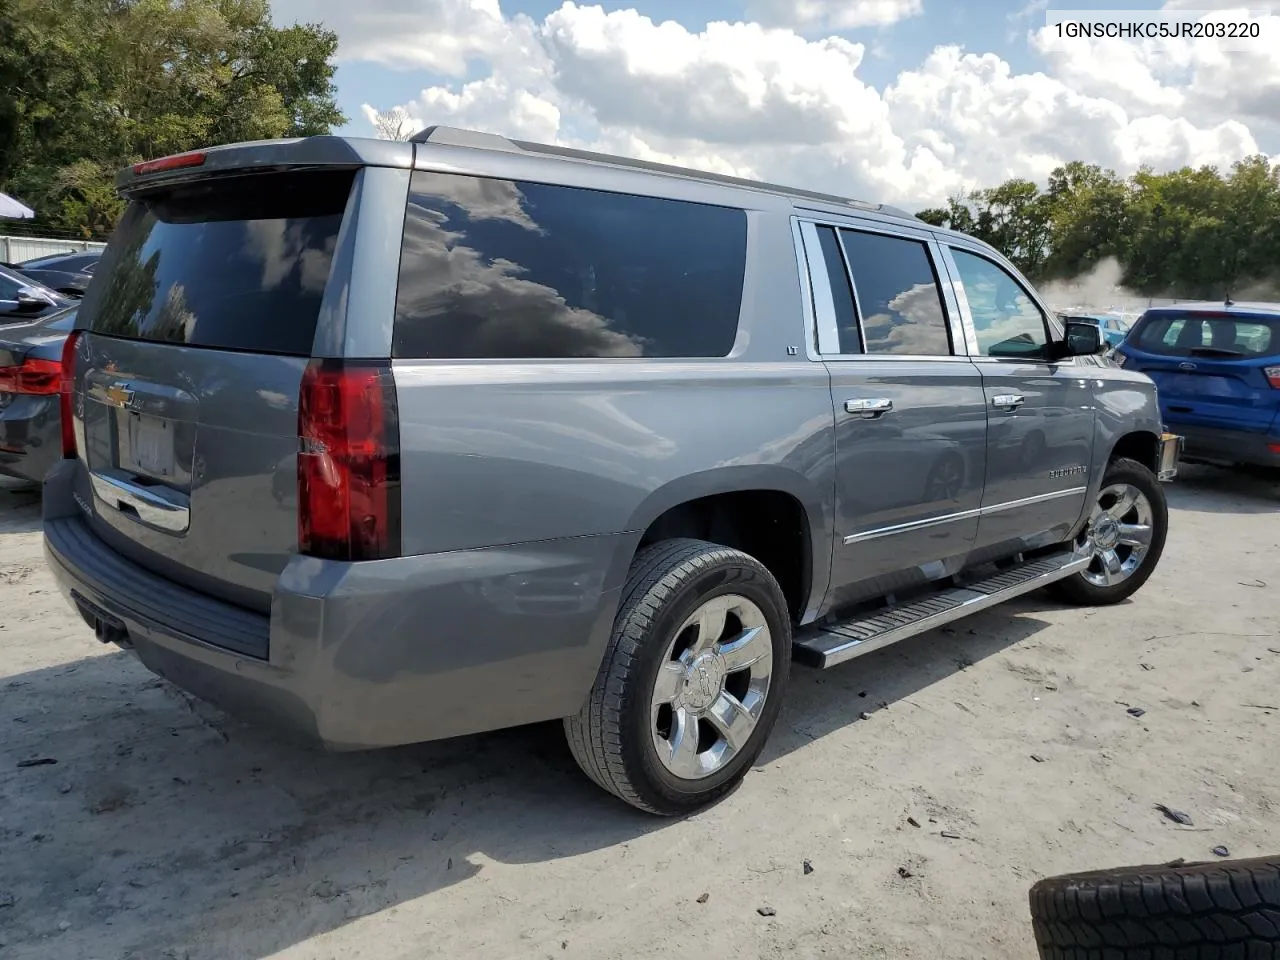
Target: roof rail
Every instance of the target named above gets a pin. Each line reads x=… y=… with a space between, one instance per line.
x=455 y=137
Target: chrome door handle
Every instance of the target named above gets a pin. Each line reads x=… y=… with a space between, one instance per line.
x=1009 y=401
x=869 y=409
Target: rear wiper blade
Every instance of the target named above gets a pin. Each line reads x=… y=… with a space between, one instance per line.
x=1215 y=352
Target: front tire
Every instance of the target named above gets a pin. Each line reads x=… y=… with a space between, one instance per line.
x=1125 y=537
x=692 y=679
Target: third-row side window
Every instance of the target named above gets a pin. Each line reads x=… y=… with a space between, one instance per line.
x=495 y=269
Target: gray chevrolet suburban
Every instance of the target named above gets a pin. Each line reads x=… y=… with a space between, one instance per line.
x=387 y=442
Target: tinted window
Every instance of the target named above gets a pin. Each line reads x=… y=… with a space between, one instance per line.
x=898 y=295
x=504 y=270
x=240 y=263
x=1181 y=334
x=9 y=284
x=1006 y=319
x=841 y=292
x=71 y=262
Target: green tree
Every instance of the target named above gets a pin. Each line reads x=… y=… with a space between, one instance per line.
x=1087 y=210
x=89 y=86
x=1176 y=239
x=956 y=215
x=1184 y=233
x=1014 y=218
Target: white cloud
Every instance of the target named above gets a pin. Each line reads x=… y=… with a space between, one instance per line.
x=770 y=102
x=808 y=15
x=438 y=35
x=1200 y=81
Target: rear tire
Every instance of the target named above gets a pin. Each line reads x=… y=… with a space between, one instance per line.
x=1125 y=534
x=1209 y=911
x=692 y=679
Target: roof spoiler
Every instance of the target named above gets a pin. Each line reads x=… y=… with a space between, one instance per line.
x=262 y=156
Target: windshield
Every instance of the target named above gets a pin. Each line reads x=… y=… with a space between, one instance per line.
x=1188 y=334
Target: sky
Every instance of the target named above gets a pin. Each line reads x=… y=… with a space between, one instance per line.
x=904 y=102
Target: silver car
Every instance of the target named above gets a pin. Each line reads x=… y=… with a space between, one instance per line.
x=387 y=442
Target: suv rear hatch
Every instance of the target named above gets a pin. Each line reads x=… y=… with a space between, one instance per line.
x=1213 y=368
x=197 y=334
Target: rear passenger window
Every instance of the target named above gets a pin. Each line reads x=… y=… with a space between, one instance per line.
x=494 y=269
x=841 y=293
x=898 y=297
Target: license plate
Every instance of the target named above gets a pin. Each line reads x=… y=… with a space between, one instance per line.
x=147 y=446
x=1199 y=385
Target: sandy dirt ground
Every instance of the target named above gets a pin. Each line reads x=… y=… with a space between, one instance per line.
x=166 y=830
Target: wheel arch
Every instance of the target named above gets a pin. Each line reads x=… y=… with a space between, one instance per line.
x=1140 y=445
x=678 y=507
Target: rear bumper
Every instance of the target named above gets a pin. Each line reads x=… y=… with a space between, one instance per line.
x=370 y=654
x=1229 y=446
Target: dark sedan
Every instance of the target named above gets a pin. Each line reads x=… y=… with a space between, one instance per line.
x=30 y=394
x=23 y=299
x=67 y=273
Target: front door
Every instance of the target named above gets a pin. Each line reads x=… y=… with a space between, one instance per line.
x=1039 y=413
x=910 y=416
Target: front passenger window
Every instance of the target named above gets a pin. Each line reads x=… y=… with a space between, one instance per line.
x=1007 y=321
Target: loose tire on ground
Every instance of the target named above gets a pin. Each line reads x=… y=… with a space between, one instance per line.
x=1085 y=588
x=612 y=736
x=1226 y=910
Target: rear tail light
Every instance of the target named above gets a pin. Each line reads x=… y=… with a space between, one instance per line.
x=39 y=377
x=349 y=461
x=66 y=391
x=1273 y=376
x=48 y=378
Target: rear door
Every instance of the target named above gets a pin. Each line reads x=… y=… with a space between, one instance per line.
x=1210 y=367
x=198 y=331
x=910 y=419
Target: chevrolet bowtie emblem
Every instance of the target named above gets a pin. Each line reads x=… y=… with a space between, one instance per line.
x=119 y=394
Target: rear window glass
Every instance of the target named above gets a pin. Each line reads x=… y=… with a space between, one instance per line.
x=1184 y=334
x=238 y=263
x=494 y=269
x=898 y=295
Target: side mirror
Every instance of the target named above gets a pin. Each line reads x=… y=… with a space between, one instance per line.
x=1081 y=340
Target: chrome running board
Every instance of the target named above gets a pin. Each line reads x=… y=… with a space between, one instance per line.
x=835 y=643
